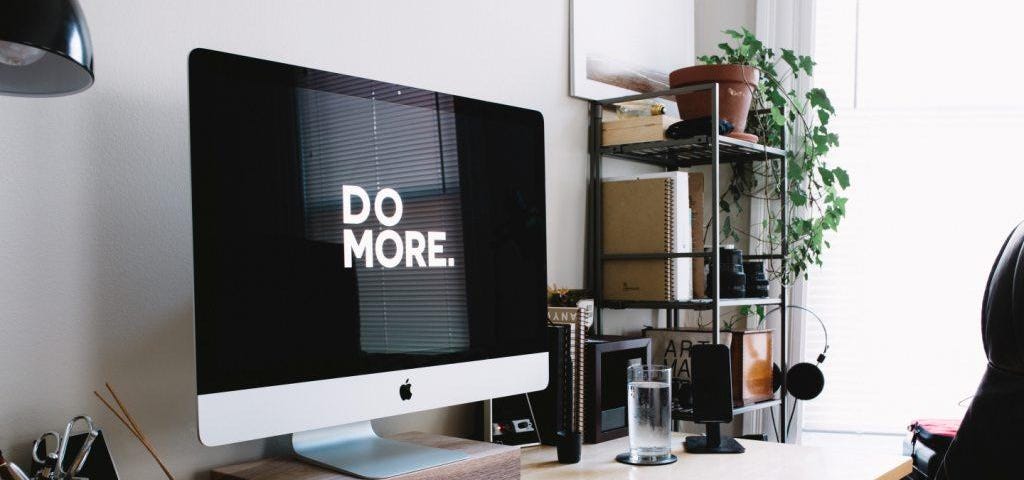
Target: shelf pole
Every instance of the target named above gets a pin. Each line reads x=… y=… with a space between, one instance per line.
x=783 y=317
x=715 y=241
x=597 y=249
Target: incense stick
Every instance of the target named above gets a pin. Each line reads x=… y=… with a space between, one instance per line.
x=132 y=426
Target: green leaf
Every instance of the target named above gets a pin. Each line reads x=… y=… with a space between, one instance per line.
x=790 y=58
x=819 y=99
x=842 y=177
x=798 y=198
x=823 y=117
x=733 y=33
x=833 y=139
x=826 y=175
x=756 y=46
x=807 y=64
x=777 y=117
x=794 y=171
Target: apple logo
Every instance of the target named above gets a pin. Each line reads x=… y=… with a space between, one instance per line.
x=405 y=391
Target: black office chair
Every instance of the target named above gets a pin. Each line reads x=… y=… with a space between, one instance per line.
x=989 y=442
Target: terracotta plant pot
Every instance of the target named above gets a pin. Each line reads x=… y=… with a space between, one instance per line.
x=736 y=84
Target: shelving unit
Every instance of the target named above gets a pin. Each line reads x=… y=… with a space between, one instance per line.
x=714 y=150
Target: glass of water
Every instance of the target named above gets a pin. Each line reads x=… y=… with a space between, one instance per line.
x=649 y=410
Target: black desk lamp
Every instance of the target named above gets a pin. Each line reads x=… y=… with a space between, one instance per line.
x=45 y=50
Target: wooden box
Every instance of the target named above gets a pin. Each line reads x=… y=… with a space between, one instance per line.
x=751 y=352
x=486 y=460
x=635 y=129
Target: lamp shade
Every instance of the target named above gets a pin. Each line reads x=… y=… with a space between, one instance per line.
x=45 y=48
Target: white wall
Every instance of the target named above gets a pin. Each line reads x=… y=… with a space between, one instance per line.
x=713 y=16
x=95 y=243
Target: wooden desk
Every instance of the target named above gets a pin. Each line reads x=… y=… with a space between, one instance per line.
x=762 y=461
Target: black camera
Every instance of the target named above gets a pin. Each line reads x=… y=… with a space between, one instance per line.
x=757 y=281
x=731 y=277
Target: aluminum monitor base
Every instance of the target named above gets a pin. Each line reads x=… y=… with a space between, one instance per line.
x=357 y=450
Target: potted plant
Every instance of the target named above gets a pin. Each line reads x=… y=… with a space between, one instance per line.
x=816 y=204
x=736 y=86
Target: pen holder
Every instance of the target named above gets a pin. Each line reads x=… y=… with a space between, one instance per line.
x=570 y=446
x=99 y=465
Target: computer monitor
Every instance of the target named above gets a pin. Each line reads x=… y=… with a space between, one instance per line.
x=361 y=249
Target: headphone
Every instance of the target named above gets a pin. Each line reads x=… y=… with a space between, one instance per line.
x=804 y=381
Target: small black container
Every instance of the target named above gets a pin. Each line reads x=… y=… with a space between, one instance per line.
x=570 y=446
x=757 y=281
x=731 y=277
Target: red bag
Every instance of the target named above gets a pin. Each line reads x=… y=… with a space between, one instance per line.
x=937 y=434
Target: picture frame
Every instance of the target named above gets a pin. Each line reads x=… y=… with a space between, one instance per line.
x=619 y=48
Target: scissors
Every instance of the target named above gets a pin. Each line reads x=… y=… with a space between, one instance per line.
x=53 y=464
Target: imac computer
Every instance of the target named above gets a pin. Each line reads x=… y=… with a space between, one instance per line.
x=361 y=250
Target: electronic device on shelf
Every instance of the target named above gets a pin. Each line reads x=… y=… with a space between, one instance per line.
x=712 y=399
x=361 y=249
x=732 y=278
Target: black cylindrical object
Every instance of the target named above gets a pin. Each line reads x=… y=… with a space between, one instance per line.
x=757 y=281
x=570 y=447
x=732 y=278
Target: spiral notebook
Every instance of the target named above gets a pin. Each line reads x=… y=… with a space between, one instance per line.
x=647 y=214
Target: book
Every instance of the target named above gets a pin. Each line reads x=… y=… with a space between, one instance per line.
x=577 y=319
x=552 y=407
x=696 y=195
x=647 y=214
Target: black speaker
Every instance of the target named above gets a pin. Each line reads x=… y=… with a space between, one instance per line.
x=711 y=375
x=805 y=381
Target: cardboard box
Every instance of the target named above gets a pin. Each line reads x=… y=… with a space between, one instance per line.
x=635 y=129
x=751 y=352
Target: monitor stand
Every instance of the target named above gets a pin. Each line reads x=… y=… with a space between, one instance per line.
x=713 y=442
x=356 y=449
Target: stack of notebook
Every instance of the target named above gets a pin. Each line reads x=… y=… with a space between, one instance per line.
x=647 y=214
x=576 y=320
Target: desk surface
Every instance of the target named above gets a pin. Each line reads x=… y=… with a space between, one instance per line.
x=762 y=460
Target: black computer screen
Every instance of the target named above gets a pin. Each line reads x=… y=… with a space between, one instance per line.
x=345 y=226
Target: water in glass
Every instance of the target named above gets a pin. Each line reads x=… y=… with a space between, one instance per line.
x=650 y=412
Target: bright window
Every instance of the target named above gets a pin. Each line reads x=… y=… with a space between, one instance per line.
x=930 y=120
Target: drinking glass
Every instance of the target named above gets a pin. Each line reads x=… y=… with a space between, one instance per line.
x=649 y=409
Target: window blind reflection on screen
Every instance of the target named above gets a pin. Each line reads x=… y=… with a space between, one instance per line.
x=385 y=137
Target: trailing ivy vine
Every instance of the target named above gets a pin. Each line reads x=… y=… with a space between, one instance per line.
x=800 y=121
